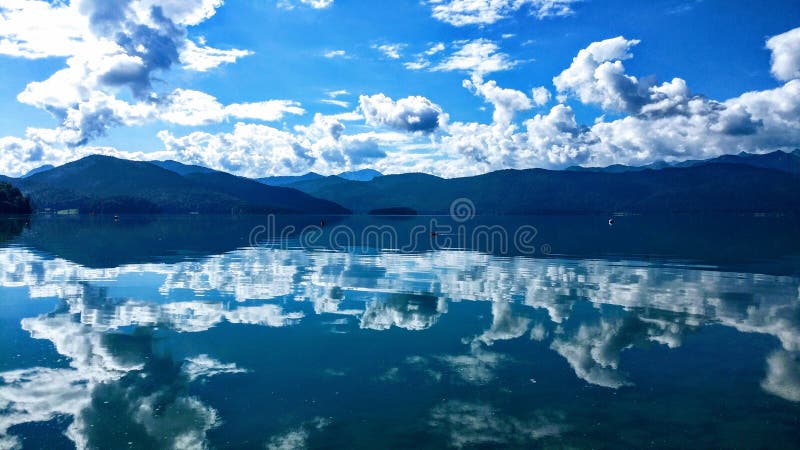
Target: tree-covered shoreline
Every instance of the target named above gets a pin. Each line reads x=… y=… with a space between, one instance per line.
x=12 y=201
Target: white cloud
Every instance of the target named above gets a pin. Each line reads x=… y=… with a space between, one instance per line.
x=204 y=58
x=484 y=12
x=338 y=93
x=258 y=150
x=330 y=54
x=192 y=108
x=541 y=95
x=785 y=55
x=251 y=150
x=268 y=111
x=418 y=64
x=421 y=60
x=315 y=4
x=110 y=47
x=506 y=102
x=333 y=98
x=391 y=51
x=412 y=114
x=597 y=76
x=334 y=102
x=39 y=29
x=436 y=48
x=480 y=56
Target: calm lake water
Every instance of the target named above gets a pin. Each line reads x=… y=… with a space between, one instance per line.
x=194 y=332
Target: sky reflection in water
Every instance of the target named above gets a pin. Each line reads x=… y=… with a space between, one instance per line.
x=286 y=348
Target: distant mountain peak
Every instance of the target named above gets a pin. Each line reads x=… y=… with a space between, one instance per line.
x=39 y=169
x=360 y=175
x=289 y=179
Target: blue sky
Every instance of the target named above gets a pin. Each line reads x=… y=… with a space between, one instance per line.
x=451 y=87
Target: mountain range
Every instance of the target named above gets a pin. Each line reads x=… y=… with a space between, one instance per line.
x=732 y=183
x=778 y=160
x=356 y=175
x=102 y=184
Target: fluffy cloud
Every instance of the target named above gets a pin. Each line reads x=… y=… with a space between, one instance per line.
x=484 y=12
x=597 y=76
x=785 y=55
x=541 y=95
x=111 y=47
x=37 y=29
x=247 y=149
x=664 y=122
x=255 y=150
x=507 y=102
x=412 y=114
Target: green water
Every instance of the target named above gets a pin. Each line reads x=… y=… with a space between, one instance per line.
x=185 y=332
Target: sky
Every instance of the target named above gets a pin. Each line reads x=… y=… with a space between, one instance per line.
x=447 y=87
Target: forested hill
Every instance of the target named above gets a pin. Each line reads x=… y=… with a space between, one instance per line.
x=12 y=201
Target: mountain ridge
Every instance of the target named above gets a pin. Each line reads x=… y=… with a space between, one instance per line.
x=777 y=160
x=744 y=183
x=105 y=184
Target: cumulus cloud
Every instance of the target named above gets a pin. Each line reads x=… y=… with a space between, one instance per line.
x=664 y=122
x=256 y=150
x=506 y=102
x=484 y=12
x=115 y=51
x=38 y=29
x=110 y=47
x=597 y=76
x=541 y=95
x=412 y=114
x=785 y=55
x=248 y=148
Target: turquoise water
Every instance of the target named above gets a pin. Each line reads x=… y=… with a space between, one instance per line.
x=184 y=332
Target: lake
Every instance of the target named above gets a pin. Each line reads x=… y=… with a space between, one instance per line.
x=390 y=332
